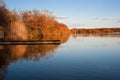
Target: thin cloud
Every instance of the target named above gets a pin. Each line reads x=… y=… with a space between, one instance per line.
x=50 y=13
x=96 y=18
x=105 y=18
x=118 y=21
x=61 y=17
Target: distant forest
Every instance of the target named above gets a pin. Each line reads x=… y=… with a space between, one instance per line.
x=96 y=31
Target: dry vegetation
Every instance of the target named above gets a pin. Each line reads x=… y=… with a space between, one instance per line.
x=42 y=24
x=30 y=25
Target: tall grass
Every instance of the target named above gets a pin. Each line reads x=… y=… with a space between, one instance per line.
x=16 y=31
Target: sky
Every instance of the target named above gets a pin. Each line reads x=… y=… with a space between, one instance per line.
x=76 y=13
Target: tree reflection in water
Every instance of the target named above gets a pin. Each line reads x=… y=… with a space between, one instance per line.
x=12 y=53
x=62 y=38
x=4 y=61
x=36 y=52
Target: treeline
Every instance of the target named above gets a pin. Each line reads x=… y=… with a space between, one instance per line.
x=96 y=31
x=31 y=24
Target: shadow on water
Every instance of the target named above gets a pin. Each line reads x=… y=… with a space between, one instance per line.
x=12 y=53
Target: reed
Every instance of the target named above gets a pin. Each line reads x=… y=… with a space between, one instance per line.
x=16 y=31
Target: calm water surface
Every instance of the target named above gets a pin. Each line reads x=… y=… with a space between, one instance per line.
x=77 y=58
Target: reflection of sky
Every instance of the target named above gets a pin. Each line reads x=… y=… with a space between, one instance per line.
x=82 y=41
x=77 y=59
x=94 y=57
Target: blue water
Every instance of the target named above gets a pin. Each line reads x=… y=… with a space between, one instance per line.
x=79 y=58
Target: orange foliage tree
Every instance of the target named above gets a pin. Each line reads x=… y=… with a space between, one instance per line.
x=38 y=24
x=43 y=23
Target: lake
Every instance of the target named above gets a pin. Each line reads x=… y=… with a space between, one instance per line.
x=78 y=57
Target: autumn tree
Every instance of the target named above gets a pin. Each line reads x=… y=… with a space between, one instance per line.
x=42 y=23
x=4 y=16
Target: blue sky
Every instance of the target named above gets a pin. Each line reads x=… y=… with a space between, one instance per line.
x=79 y=13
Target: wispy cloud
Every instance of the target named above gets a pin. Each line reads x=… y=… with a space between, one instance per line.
x=61 y=17
x=52 y=14
x=118 y=21
x=105 y=18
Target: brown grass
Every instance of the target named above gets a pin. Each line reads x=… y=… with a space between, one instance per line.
x=16 y=31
